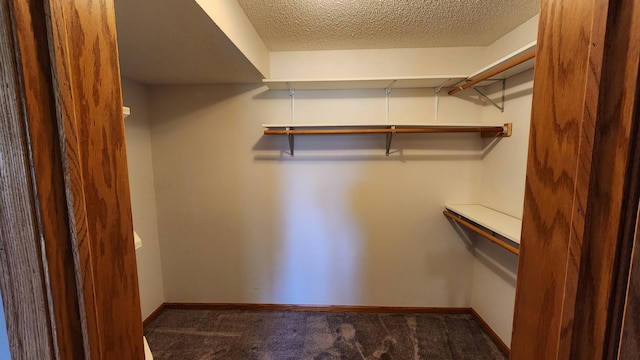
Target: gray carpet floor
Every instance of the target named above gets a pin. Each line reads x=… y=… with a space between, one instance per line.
x=282 y=335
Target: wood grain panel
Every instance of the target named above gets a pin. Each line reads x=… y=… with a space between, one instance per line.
x=48 y=178
x=630 y=334
x=558 y=97
x=87 y=60
x=75 y=198
x=22 y=275
x=578 y=180
x=611 y=187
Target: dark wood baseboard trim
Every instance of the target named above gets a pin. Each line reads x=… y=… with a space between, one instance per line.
x=492 y=334
x=320 y=308
x=153 y=315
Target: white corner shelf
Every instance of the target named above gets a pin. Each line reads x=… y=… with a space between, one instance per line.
x=364 y=83
x=126 y=111
x=408 y=82
x=511 y=71
x=482 y=217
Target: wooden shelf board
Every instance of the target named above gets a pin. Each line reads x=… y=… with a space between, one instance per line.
x=382 y=126
x=505 y=225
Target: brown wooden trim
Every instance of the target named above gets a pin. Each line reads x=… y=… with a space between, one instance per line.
x=49 y=176
x=549 y=221
x=89 y=106
x=23 y=277
x=625 y=300
x=412 y=130
x=578 y=166
x=75 y=199
x=153 y=315
x=629 y=343
x=67 y=268
x=321 y=308
x=492 y=334
x=611 y=199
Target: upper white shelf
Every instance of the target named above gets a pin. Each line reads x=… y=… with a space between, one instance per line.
x=364 y=83
x=512 y=71
x=444 y=81
x=502 y=224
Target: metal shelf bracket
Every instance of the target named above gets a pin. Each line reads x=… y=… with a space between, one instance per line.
x=500 y=107
x=389 y=138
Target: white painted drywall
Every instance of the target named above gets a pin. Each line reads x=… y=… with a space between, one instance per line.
x=336 y=64
x=502 y=185
x=4 y=340
x=503 y=180
x=143 y=200
x=519 y=37
x=231 y=19
x=339 y=223
x=376 y=63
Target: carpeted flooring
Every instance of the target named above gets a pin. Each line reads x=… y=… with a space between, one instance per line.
x=281 y=335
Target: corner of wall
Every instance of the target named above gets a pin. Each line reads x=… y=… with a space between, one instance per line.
x=515 y=39
x=143 y=199
x=503 y=181
x=231 y=19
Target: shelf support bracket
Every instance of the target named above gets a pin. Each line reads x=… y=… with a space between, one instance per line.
x=290 y=136
x=437 y=93
x=500 y=107
x=387 y=92
x=292 y=96
x=389 y=138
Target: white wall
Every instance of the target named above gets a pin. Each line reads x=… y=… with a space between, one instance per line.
x=376 y=63
x=503 y=180
x=231 y=19
x=517 y=38
x=502 y=183
x=339 y=223
x=143 y=199
x=338 y=64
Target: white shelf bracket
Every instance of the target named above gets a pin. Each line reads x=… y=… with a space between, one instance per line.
x=292 y=96
x=387 y=92
x=437 y=105
x=500 y=107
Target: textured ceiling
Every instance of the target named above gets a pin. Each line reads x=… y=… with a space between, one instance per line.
x=290 y=25
x=176 y=42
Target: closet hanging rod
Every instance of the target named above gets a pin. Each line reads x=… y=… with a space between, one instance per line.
x=480 y=231
x=517 y=61
x=493 y=130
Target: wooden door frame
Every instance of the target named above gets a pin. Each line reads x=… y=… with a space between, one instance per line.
x=581 y=197
x=67 y=272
